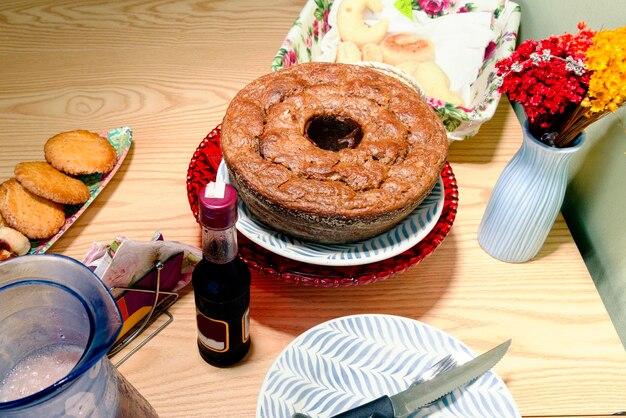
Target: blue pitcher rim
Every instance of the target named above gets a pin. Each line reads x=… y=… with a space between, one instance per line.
x=84 y=364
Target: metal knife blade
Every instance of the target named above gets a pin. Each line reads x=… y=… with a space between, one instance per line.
x=416 y=396
x=409 y=400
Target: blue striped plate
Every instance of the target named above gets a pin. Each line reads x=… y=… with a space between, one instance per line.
x=403 y=236
x=348 y=361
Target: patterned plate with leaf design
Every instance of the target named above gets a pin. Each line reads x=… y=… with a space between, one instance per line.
x=203 y=168
x=400 y=238
x=345 y=362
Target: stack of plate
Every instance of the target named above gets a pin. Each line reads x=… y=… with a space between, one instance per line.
x=328 y=265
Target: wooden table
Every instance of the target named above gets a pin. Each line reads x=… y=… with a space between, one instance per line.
x=168 y=70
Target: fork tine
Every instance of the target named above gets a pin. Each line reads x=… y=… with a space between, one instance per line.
x=446 y=363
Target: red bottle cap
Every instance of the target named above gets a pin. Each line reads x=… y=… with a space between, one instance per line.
x=217 y=207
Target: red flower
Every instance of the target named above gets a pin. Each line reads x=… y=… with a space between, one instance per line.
x=490 y=50
x=326 y=26
x=540 y=76
x=290 y=58
x=433 y=7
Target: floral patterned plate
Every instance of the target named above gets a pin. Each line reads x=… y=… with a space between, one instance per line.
x=121 y=139
x=203 y=168
x=302 y=44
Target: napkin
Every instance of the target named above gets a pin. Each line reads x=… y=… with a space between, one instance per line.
x=123 y=262
x=460 y=39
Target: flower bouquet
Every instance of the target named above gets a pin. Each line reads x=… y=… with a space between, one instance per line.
x=565 y=83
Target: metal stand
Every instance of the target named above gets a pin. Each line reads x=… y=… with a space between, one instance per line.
x=157 y=309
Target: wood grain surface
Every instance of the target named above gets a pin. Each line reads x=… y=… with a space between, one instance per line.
x=168 y=69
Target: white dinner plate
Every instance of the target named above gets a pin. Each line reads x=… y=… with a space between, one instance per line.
x=348 y=361
x=400 y=238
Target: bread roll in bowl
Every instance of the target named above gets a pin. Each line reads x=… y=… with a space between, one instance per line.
x=404 y=47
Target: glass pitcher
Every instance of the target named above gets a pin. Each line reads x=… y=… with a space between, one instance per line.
x=57 y=322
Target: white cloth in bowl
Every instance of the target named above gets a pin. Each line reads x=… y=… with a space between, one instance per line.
x=460 y=39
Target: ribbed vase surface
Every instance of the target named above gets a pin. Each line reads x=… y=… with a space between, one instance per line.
x=526 y=200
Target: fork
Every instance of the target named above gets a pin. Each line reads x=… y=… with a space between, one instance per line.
x=446 y=363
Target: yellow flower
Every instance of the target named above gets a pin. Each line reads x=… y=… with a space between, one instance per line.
x=606 y=60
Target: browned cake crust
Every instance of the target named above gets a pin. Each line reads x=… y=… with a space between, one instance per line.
x=336 y=194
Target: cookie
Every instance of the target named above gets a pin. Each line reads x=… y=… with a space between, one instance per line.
x=12 y=243
x=348 y=53
x=33 y=216
x=351 y=24
x=372 y=53
x=433 y=80
x=42 y=179
x=80 y=152
x=5 y=254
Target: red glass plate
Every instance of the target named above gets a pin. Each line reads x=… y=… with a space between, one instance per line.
x=203 y=168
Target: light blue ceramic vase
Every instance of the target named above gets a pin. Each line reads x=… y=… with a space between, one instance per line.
x=526 y=200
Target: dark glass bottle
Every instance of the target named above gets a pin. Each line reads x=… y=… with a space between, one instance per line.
x=221 y=281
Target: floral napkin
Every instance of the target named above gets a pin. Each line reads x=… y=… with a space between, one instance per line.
x=123 y=262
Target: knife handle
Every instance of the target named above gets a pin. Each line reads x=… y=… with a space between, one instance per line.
x=378 y=408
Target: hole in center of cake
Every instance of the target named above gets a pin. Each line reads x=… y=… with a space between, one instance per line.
x=333 y=133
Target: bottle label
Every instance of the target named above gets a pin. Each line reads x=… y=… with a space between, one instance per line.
x=245 y=325
x=212 y=333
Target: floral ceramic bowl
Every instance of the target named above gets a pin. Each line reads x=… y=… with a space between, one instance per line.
x=302 y=44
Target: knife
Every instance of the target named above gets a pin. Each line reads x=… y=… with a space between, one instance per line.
x=416 y=396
